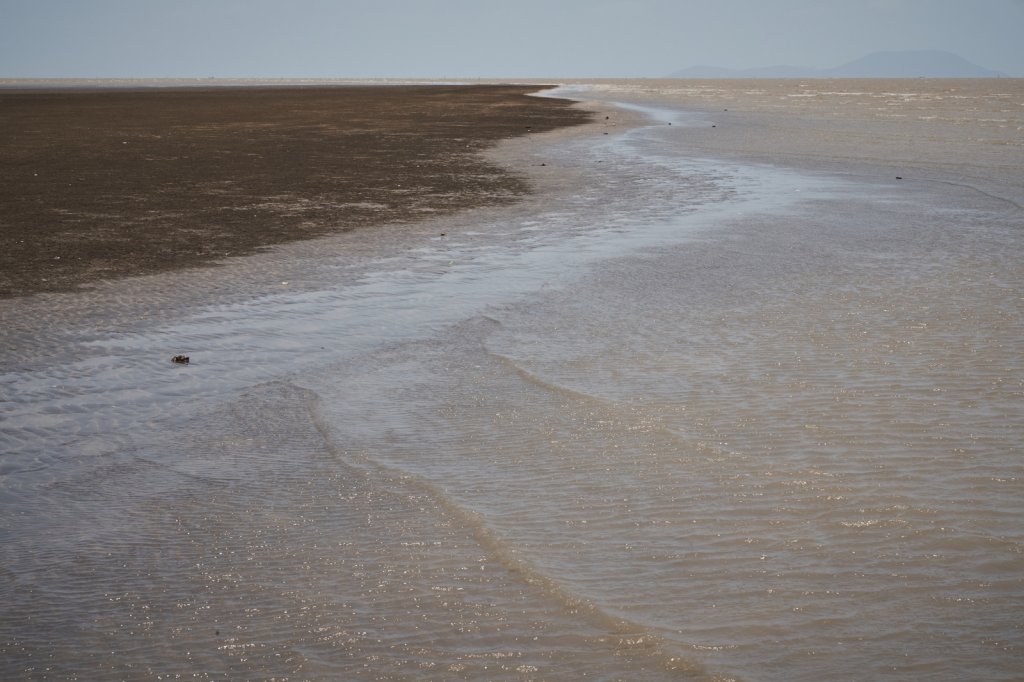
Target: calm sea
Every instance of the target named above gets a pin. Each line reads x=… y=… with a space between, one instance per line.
x=739 y=394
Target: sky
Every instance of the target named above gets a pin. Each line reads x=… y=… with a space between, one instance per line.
x=491 y=39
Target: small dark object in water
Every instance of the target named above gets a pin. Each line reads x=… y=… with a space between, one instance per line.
x=180 y=359
x=899 y=177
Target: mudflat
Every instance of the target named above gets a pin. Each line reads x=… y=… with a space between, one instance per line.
x=103 y=183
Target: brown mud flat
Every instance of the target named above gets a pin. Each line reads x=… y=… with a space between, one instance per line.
x=106 y=183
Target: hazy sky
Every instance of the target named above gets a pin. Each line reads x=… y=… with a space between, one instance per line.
x=486 y=38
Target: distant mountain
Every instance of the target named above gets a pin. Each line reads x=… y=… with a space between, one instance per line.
x=892 y=64
x=921 y=63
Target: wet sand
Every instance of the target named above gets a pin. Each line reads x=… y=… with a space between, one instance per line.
x=965 y=131
x=711 y=403
x=103 y=183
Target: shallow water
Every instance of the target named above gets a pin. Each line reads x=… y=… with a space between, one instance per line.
x=700 y=418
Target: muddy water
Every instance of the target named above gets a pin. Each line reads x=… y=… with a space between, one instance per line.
x=731 y=403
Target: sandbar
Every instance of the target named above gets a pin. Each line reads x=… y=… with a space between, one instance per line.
x=103 y=183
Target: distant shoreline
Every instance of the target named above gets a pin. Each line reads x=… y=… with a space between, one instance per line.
x=533 y=83
x=170 y=83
